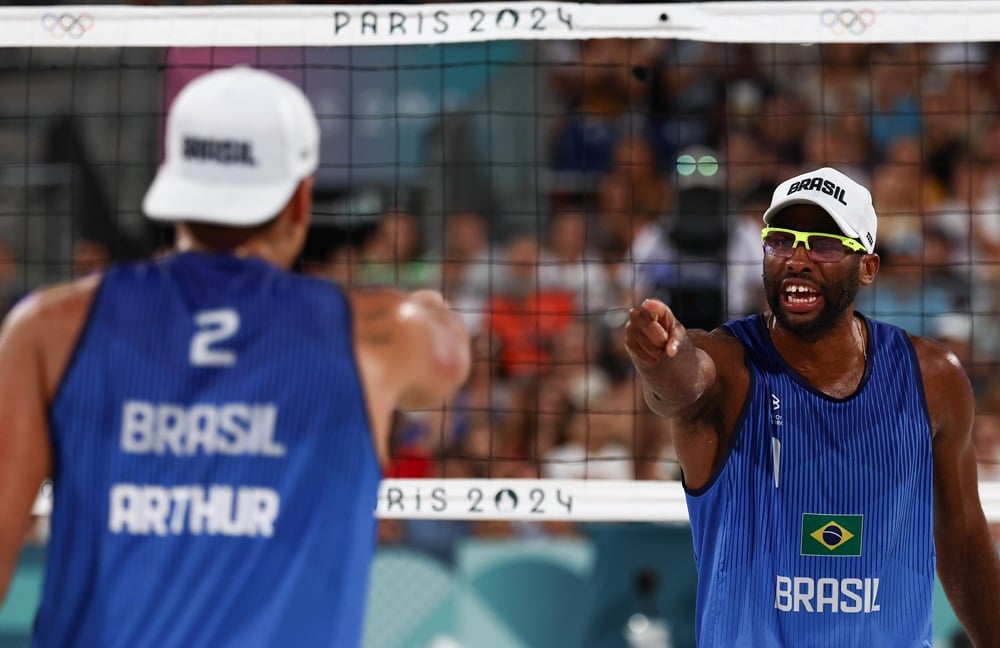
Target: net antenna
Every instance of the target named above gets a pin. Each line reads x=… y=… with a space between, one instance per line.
x=30 y=34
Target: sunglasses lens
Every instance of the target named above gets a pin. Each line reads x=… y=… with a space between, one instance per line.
x=780 y=244
x=826 y=248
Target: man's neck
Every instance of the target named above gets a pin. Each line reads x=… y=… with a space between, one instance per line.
x=254 y=246
x=833 y=363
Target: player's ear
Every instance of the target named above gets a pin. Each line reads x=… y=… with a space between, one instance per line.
x=869 y=269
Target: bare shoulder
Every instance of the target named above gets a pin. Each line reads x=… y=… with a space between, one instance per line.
x=950 y=400
x=42 y=330
x=934 y=355
x=55 y=307
x=939 y=366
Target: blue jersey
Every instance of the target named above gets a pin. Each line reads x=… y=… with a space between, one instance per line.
x=214 y=472
x=817 y=530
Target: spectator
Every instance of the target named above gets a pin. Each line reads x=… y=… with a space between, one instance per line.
x=744 y=294
x=466 y=272
x=900 y=295
x=523 y=314
x=636 y=245
x=842 y=142
x=840 y=86
x=902 y=190
x=943 y=267
x=690 y=94
x=482 y=397
x=970 y=215
x=749 y=163
x=394 y=253
x=596 y=445
x=895 y=107
x=601 y=97
x=782 y=127
x=576 y=267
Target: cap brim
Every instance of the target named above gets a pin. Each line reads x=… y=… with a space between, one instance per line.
x=848 y=231
x=174 y=198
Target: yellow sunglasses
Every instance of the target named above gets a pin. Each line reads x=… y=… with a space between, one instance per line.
x=820 y=246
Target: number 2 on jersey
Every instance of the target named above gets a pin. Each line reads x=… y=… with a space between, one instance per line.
x=214 y=327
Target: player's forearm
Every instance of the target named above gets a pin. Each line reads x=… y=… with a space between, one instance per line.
x=972 y=582
x=11 y=540
x=650 y=438
x=675 y=383
x=6 y=571
x=24 y=468
x=980 y=611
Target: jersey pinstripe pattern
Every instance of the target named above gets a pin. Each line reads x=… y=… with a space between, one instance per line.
x=215 y=477
x=817 y=530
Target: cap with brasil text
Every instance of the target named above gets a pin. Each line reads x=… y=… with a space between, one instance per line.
x=847 y=202
x=238 y=142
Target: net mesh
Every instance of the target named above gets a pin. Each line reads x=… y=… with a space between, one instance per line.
x=545 y=166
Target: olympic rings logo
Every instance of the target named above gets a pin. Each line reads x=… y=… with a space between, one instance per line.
x=74 y=26
x=848 y=21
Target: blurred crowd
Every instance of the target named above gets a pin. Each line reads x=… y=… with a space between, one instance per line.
x=658 y=159
x=660 y=162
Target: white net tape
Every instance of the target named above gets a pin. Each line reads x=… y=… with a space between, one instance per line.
x=733 y=22
x=541 y=499
x=576 y=500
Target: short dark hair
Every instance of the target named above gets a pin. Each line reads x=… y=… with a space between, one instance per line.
x=225 y=237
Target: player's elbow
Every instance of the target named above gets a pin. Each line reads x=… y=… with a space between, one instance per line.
x=455 y=366
x=452 y=357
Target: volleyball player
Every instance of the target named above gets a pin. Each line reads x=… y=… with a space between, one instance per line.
x=826 y=456
x=214 y=424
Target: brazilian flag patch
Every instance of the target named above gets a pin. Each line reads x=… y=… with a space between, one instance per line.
x=831 y=535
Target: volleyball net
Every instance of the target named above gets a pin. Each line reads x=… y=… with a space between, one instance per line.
x=545 y=165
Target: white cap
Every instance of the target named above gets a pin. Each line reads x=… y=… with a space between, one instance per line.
x=847 y=202
x=238 y=143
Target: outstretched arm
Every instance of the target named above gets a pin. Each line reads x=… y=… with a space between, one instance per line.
x=695 y=379
x=413 y=351
x=25 y=454
x=675 y=373
x=968 y=565
x=36 y=341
